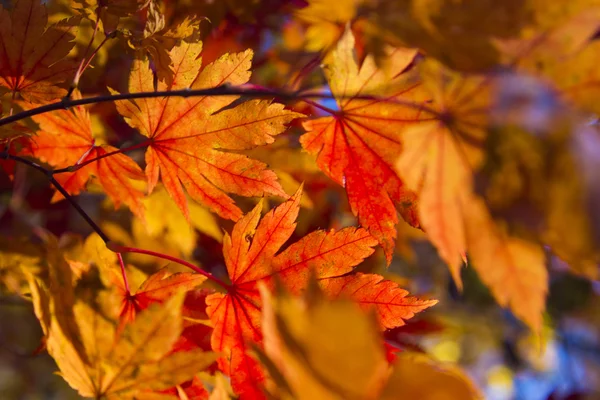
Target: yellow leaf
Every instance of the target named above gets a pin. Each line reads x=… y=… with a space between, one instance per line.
x=439 y=158
x=414 y=376
x=566 y=54
x=314 y=349
x=513 y=269
x=165 y=221
x=93 y=252
x=222 y=389
x=98 y=361
x=326 y=21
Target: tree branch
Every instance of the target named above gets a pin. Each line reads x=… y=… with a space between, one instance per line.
x=223 y=90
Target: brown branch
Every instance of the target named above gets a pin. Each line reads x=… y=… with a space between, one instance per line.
x=223 y=90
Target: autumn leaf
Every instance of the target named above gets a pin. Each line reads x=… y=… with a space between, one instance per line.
x=66 y=139
x=33 y=57
x=251 y=257
x=96 y=361
x=157 y=39
x=418 y=377
x=564 y=54
x=438 y=159
x=170 y=225
x=191 y=138
x=306 y=359
x=158 y=288
x=358 y=145
x=302 y=340
x=513 y=269
x=372 y=292
x=89 y=254
x=108 y=13
x=326 y=21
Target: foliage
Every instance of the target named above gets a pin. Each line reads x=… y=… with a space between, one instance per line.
x=474 y=121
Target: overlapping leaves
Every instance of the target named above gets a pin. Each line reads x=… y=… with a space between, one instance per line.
x=251 y=255
x=95 y=358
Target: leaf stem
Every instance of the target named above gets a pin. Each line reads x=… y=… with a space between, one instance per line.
x=81 y=67
x=125 y=249
x=102 y=43
x=320 y=106
x=124 y=274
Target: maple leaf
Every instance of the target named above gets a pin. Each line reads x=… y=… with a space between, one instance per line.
x=189 y=137
x=418 y=377
x=158 y=39
x=564 y=54
x=251 y=257
x=92 y=358
x=158 y=288
x=326 y=21
x=33 y=57
x=371 y=292
x=91 y=253
x=513 y=269
x=358 y=145
x=108 y=12
x=170 y=225
x=65 y=139
x=438 y=159
x=306 y=359
x=302 y=340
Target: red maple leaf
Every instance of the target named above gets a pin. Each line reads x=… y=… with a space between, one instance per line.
x=251 y=257
x=357 y=146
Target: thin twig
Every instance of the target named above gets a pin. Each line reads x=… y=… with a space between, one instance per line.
x=110 y=244
x=81 y=68
x=58 y=186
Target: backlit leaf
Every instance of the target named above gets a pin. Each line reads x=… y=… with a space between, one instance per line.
x=357 y=146
x=33 y=57
x=190 y=138
x=439 y=158
x=66 y=139
x=251 y=258
x=303 y=340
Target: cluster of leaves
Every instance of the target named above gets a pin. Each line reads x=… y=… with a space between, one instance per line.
x=473 y=125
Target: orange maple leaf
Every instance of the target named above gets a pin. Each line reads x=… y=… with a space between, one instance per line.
x=32 y=57
x=189 y=137
x=440 y=159
x=357 y=146
x=158 y=288
x=251 y=257
x=65 y=139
